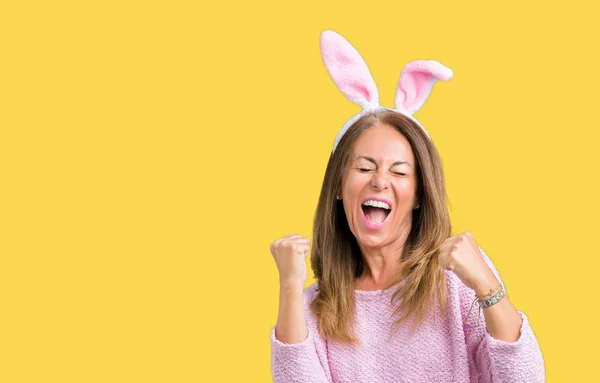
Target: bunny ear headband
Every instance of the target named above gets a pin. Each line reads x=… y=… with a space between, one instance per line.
x=351 y=75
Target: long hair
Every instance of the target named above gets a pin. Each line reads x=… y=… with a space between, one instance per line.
x=336 y=258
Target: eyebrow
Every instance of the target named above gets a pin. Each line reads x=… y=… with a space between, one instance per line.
x=370 y=159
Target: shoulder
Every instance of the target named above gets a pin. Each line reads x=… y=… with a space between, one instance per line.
x=311 y=292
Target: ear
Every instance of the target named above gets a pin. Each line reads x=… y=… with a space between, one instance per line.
x=348 y=69
x=415 y=84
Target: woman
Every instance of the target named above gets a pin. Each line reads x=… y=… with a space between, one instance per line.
x=394 y=289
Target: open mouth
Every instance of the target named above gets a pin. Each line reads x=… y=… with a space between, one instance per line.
x=375 y=214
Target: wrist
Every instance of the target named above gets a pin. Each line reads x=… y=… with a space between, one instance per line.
x=490 y=301
x=487 y=288
x=291 y=285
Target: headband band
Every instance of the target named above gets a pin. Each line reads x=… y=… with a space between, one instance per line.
x=350 y=73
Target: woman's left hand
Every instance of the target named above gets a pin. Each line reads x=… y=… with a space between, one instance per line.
x=460 y=254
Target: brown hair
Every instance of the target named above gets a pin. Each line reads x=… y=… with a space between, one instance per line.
x=336 y=258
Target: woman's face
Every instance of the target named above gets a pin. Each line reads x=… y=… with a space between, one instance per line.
x=381 y=167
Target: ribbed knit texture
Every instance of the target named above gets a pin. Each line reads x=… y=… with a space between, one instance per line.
x=444 y=351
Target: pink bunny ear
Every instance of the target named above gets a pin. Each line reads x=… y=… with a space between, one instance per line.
x=348 y=70
x=416 y=81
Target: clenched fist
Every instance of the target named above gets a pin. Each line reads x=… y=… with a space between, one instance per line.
x=460 y=254
x=289 y=253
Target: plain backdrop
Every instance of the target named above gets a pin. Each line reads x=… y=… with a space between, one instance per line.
x=150 y=151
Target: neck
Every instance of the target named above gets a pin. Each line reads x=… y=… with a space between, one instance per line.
x=381 y=264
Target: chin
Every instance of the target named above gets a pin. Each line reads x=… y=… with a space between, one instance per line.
x=372 y=240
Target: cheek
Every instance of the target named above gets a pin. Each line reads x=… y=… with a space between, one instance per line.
x=405 y=188
x=354 y=185
x=352 y=190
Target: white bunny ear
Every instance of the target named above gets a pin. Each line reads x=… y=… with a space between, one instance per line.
x=348 y=70
x=415 y=84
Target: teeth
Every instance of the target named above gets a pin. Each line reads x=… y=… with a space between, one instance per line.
x=377 y=204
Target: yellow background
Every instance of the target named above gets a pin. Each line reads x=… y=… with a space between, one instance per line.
x=151 y=151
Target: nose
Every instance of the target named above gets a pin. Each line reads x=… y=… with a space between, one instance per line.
x=380 y=180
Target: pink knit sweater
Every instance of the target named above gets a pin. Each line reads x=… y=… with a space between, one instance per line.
x=447 y=351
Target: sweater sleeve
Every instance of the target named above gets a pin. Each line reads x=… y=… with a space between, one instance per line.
x=304 y=362
x=492 y=360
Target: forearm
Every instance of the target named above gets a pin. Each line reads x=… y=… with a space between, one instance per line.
x=502 y=321
x=291 y=323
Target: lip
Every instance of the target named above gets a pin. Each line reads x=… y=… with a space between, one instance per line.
x=369 y=224
x=377 y=199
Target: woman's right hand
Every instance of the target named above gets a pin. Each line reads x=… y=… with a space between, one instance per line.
x=289 y=253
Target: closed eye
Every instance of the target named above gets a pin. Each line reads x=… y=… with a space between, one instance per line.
x=365 y=170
